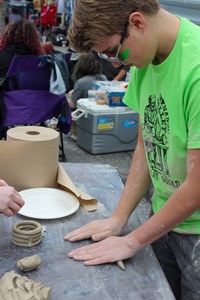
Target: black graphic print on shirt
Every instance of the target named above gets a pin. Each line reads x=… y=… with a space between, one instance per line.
x=156 y=134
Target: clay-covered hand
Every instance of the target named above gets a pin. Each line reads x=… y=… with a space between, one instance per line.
x=97 y=230
x=10 y=199
x=109 y=250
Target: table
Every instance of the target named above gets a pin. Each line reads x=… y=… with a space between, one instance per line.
x=69 y=279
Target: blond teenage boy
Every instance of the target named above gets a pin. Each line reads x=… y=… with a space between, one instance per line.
x=164 y=89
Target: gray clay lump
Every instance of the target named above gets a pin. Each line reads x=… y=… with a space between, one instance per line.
x=29 y=263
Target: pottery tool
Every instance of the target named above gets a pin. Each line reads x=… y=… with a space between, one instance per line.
x=121 y=265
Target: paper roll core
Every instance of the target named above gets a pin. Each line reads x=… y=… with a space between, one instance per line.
x=32 y=132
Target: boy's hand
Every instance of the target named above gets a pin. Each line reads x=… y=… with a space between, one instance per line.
x=96 y=230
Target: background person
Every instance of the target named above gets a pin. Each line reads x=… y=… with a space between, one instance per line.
x=161 y=46
x=20 y=37
x=112 y=72
x=86 y=70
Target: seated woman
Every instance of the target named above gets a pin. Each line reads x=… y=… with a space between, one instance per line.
x=86 y=70
x=20 y=37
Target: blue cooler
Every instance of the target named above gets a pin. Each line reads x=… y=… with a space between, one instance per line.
x=105 y=129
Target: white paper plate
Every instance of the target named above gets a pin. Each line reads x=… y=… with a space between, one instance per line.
x=48 y=203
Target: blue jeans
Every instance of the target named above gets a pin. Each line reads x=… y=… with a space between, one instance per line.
x=179 y=257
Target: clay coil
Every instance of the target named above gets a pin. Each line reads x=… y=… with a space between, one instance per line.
x=27 y=233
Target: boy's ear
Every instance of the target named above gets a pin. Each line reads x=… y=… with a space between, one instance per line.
x=137 y=20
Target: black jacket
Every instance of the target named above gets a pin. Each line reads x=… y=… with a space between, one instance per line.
x=7 y=54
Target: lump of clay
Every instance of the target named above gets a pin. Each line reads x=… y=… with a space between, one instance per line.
x=29 y=263
x=15 y=286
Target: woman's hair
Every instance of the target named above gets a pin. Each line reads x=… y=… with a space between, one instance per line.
x=95 y=20
x=87 y=65
x=24 y=33
x=48 y=47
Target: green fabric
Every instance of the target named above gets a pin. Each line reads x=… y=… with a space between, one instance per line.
x=167 y=98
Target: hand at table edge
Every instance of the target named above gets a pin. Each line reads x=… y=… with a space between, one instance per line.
x=111 y=249
x=97 y=230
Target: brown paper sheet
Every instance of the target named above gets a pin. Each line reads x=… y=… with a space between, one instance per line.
x=88 y=202
x=29 y=159
x=23 y=166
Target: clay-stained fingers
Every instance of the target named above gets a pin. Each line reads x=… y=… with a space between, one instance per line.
x=14 y=207
x=110 y=250
x=19 y=200
x=86 y=253
x=94 y=230
x=10 y=192
x=97 y=230
x=8 y=212
x=97 y=237
x=16 y=197
x=3 y=183
x=84 y=232
x=97 y=253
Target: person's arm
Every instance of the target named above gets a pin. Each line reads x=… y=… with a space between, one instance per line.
x=71 y=103
x=10 y=200
x=76 y=94
x=136 y=186
x=137 y=183
x=179 y=206
x=120 y=75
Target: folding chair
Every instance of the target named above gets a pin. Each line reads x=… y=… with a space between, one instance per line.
x=27 y=100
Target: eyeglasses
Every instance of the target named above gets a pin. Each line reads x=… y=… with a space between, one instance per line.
x=115 y=59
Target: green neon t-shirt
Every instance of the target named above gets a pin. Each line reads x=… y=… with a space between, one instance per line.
x=167 y=98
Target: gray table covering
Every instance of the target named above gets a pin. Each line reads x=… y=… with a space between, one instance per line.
x=69 y=279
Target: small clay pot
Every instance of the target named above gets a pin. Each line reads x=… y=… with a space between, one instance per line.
x=27 y=233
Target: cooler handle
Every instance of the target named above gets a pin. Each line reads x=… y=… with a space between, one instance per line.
x=78 y=113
